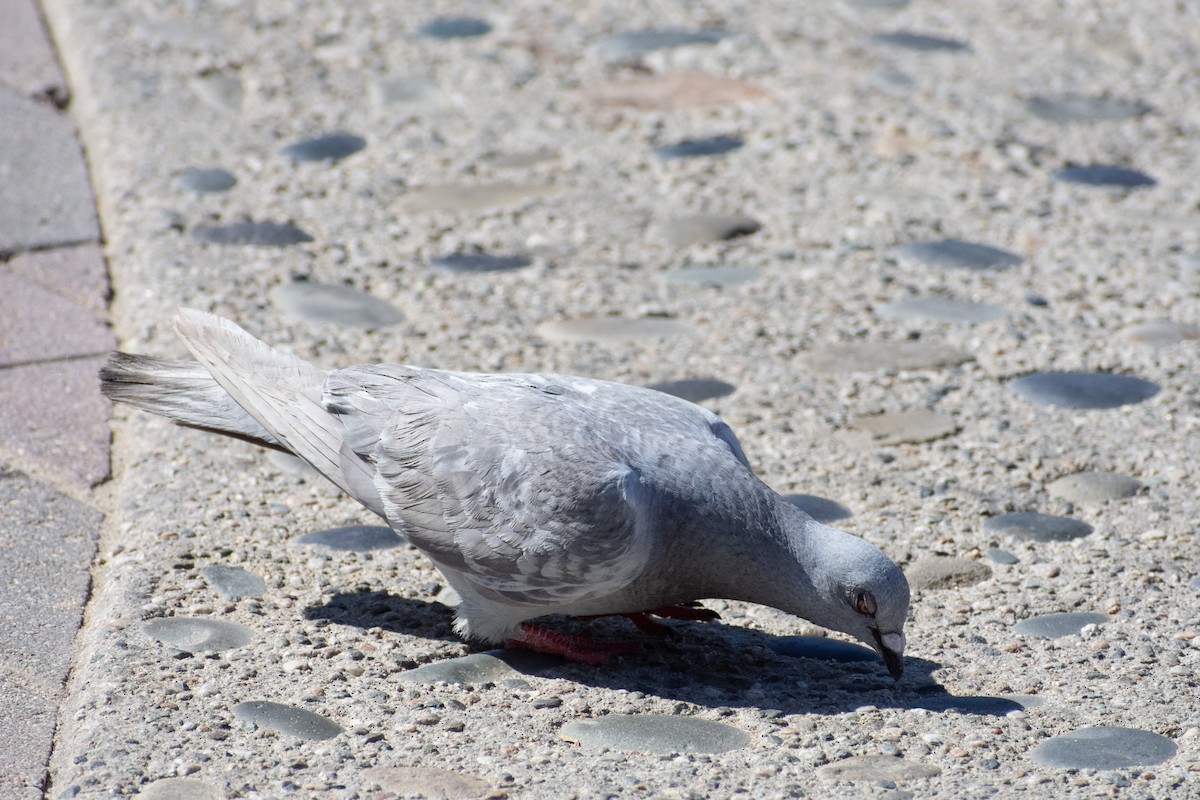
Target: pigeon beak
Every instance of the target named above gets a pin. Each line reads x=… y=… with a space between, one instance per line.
x=891 y=647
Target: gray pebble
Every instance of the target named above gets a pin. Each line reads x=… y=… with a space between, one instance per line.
x=920 y=42
x=193 y=634
x=876 y=768
x=944 y=572
x=705 y=228
x=695 y=390
x=634 y=44
x=912 y=426
x=205 y=181
x=287 y=719
x=454 y=28
x=655 y=733
x=466 y=198
x=1034 y=527
x=492 y=666
x=1055 y=626
x=478 y=262
x=821 y=649
x=1083 y=389
x=611 y=329
x=956 y=253
x=1094 y=487
x=331 y=147
x=233 y=583
x=308 y=301
x=995 y=554
x=354 y=538
x=942 y=309
x=1104 y=748
x=1162 y=333
x=1070 y=108
x=257 y=234
x=1105 y=175
x=698 y=148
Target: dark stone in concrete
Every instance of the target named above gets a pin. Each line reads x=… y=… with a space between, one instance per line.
x=695 y=390
x=982 y=705
x=1070 y=108
x=998 y=556
x=1103 y=175
x=354 y=538
x=821 y=649
x=233 y=583
x=48 y=541
x=819 y=508
x=705 y=228
x=198 y=635
x=287 y=719
x=478 y=262
x=454 y=28
x=56 y=421
x=1055 y=626
x=259 y=234
x=655 y=733
x=492 y=666
x=1034 y=527
x=331 y=147
x=921 y=42
x=36 y=325
x=1083 y=389
x=205 y=181
x=309 y=301
x=1104 y=748
x=695 y=148
x=77 y=273
x=959 y=254
x=635 y=44
x=942 y=309
x=47 y=200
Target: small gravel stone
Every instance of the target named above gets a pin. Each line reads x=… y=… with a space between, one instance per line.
x=205 y=181
x=233 y=583
x=821 y=509
x=998 y=556
x=1071 y=108
x=705 y=228
x=1055 y=626
x=309 y=301
x=546 y=702
x=287 y=719
x=655 y=733
x=943 y=572
x=1083 y=389
x=194 y=635
x=698 y=148
x=1105 y=175
x=695 y=390
x=354 y=538
x=634 y=44
x=920 y=42
x=955 y=253
x=331 y=147
x=1104 y=748
x=454 y=28
x=478 y=262
x=1034 y=527
x=257 y=234
x=1094 y=487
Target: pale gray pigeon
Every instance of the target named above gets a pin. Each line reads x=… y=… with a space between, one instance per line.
x=534 y=494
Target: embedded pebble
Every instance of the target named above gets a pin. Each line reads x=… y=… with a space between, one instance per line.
x=999 y=556
x=893 y=81
x=286 y=719
x=822 y=509
x=233 y=583
x=921 y=42
x=912 y=426
x=1094 y=487
x=1103 y=175
x=1083 y=390
x=981 y=705
x=1070 y=108
x=959 y=254
x=944 y=572
x=308 y=301
x=1055 y=626
x=194 y=634
x=698 y=148
x=331 y=147
x=1104 y=748
x=258 y=234
x=453 y=197
x=695 y=390
x=412 y=92
x=711 y=277
x=454 y=28
x=675 y=91
x=492 y=666
x=705 y=228
x=634 y=44
x=430 y=782
x=1034 y=527
x=1194 y=582
x=942 y=309
x=1162 y=333
x=655 y=733
x=354 y=538
x=178 y=789
x=478 y=262
x=611 y=329
x=874 y=356
x=821 y=648
x=205 y=181
x=876 y=768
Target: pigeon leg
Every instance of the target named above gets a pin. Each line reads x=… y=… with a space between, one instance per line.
x=575 y=648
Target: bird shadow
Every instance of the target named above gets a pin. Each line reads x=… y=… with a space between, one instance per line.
x=713 y=665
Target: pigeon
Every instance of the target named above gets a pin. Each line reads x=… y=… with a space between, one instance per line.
x=534 y=494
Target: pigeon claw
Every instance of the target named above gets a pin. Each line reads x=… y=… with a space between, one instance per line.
x=573 y=648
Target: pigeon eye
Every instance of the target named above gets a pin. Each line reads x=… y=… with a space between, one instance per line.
x=864 y=602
